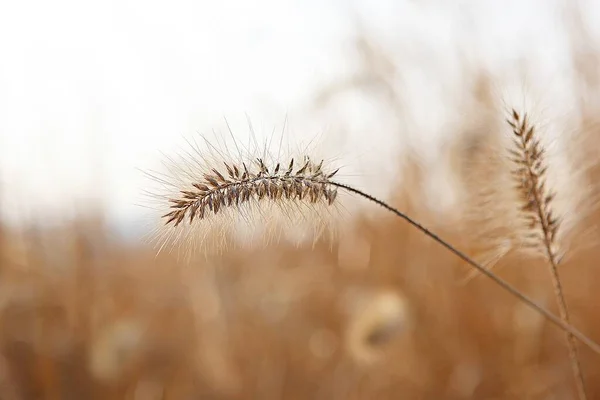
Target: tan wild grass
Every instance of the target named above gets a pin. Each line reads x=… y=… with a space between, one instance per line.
x=212 y=196
x=542 y=222
x=215 y=192
x=284 y=323
x=86 y=316
x=238 y=185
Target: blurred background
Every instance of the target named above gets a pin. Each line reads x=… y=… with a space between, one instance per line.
x=406 y=95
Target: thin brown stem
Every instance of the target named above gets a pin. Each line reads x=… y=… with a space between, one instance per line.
x=565 y=326
x=564 y=314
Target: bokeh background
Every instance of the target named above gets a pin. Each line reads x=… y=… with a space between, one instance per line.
x=406 y=95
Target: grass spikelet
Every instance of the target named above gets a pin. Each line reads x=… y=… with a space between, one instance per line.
x=530 y=175
x=212 y=196
x=216 y=191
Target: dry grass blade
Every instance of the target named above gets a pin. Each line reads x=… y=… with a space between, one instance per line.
x=530 y=175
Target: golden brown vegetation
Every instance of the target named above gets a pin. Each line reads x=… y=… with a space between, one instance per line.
x=383 y=313
x=531 y=179
x=86 y=318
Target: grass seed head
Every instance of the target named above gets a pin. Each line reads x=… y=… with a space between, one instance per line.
x=530 y=175
x=214 y=197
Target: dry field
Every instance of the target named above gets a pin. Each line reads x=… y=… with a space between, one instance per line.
x=383 y=311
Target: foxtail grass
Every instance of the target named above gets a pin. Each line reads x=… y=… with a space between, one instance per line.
x=543 y=224
x=240 y=184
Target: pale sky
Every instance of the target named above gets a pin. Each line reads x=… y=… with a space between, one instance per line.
x=92 y=90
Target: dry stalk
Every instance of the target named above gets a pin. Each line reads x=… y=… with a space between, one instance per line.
x=542 y=224
x=239 y=184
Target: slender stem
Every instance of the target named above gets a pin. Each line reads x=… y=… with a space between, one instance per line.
x=564 y=314
x=565 y=326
